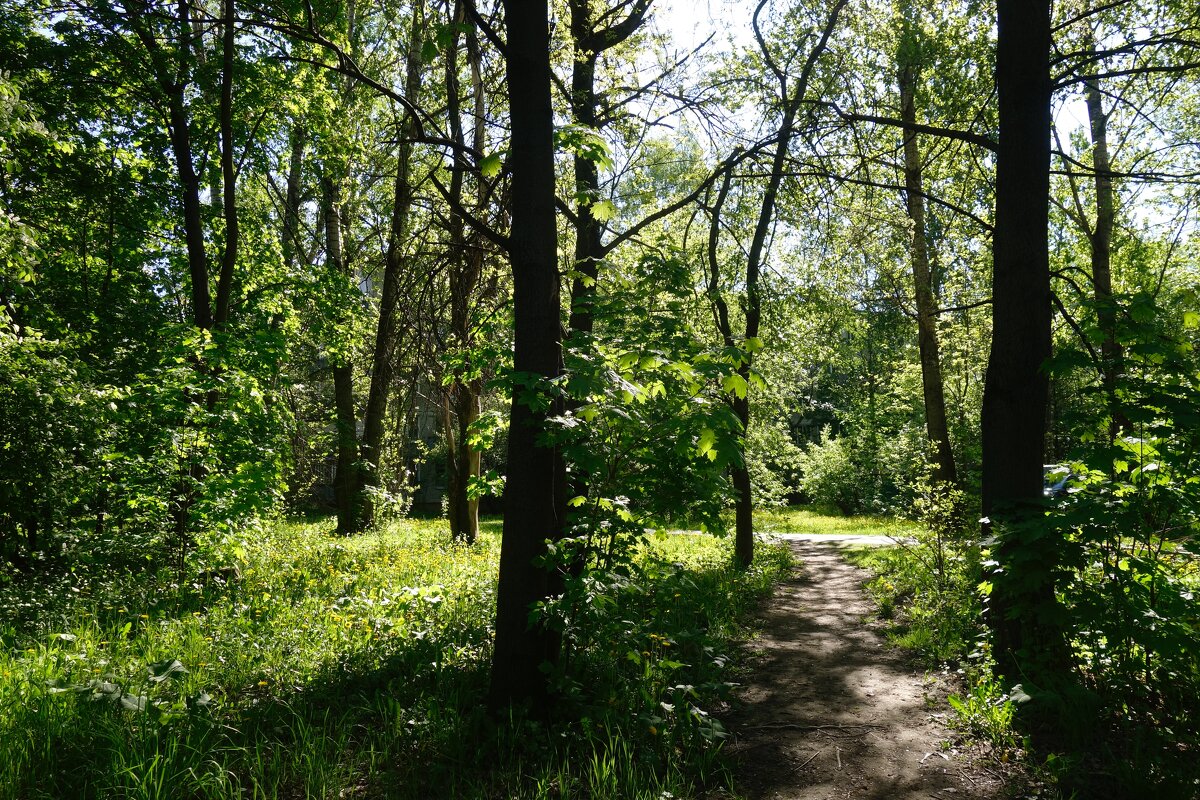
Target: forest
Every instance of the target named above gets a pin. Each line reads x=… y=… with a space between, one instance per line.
x=415 y=398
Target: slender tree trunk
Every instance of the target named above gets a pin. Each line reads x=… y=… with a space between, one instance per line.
x=927 y=338
x=383 y=355
x=535 y=497
x=345 y=418
x=228 y=169
x=290 y=237
x=588 y=245
x=462 y=396
x=589 y=42
x=193 y=217
x=174 y=77
x=743 y=544
x=1028 y=642
x=1111 y=353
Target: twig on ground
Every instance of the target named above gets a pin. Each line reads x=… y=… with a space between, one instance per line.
x=806 y=763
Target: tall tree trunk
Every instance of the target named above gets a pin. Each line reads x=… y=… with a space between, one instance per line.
x=290 y=235
x=588 y=246
x=383 y=354
x=173 y=75
x=743 y=544
x=1111 y=353
x=535 y=497
x=344 y=479
x=462 y=401
x=179 y=127
x=927 y=339
x=589 y=42
x=228 y=169
x=1028 y=642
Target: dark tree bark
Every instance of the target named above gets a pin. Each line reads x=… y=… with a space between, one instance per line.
x=345 y=417
x=1028 y=644
x=462 y=402
x=590 y=42
x=228 y=169
x=173 y=76
x=173 y=80
x=933 y=390
x=535 y=498
x=290 y=235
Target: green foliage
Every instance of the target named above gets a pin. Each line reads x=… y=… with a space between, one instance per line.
x=831 y=478
x=864 y=471
x=776 y=462
x=1131 y=520
x=928 y=583
x=321 y=666
x=814 y=519
x=48 y=439
x=986 y=711
x=649 y=431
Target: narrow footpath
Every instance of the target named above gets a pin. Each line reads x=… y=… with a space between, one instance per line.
x=831 y=710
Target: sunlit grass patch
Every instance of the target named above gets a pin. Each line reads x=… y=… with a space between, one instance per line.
x=811 y=519
x=326 y=667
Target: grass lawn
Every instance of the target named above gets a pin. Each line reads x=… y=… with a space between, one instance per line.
x=810 y=519
x=357 y=668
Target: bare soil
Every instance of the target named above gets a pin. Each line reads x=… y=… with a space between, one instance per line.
x=832 y=710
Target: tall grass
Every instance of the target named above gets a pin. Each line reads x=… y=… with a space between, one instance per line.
x=357 y=668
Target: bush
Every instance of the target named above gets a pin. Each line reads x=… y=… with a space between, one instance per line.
x=831 y=476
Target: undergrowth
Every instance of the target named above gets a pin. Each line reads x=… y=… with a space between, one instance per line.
x=299 y=665
x=1130 y=604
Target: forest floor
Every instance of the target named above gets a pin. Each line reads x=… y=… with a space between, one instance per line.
x=831 y=710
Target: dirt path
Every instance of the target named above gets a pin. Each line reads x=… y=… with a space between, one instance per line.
x=831 y=710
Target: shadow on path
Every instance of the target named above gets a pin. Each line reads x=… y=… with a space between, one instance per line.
x=831 y=710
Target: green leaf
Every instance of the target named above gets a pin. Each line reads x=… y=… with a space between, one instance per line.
x=166 y=669
x=704 y=446
x=1191 y=320
x=735 y=384
x=489 y=167
x=603 y=210
x=134 y=702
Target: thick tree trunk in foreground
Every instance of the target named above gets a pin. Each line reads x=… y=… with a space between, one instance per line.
x=1028 y=643
x=932 y=387
x=535 y=498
